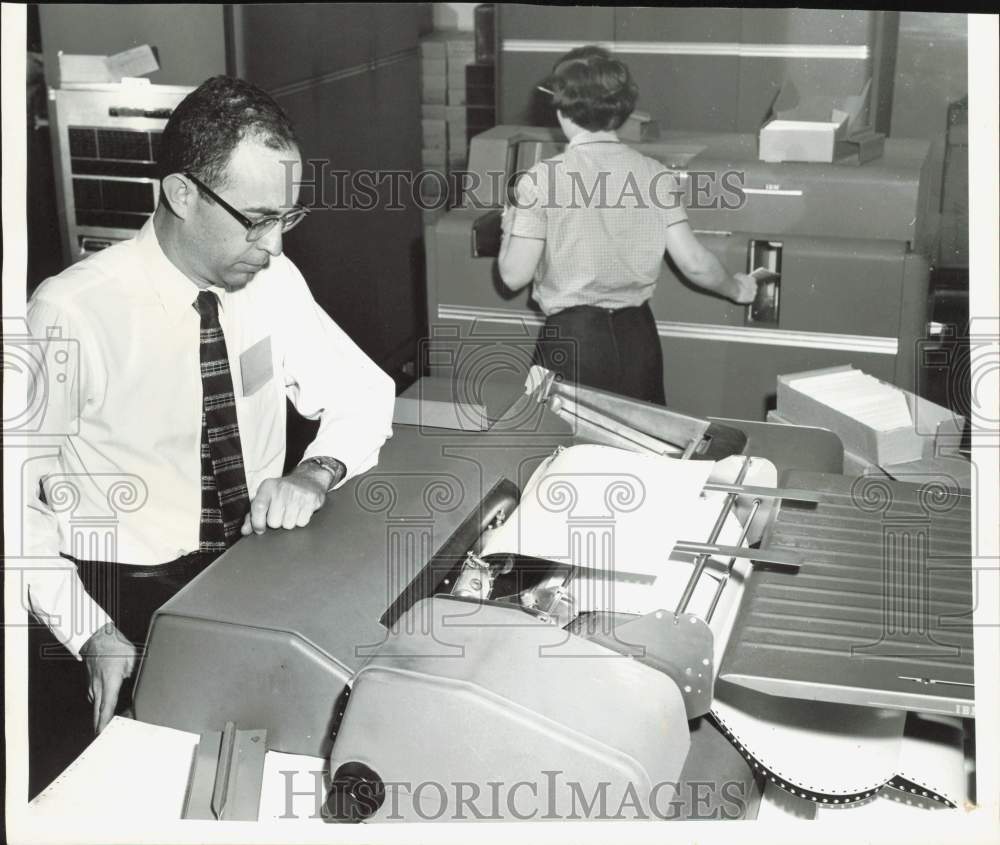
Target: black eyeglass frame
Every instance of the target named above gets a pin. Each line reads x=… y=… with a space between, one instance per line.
x=264 y=225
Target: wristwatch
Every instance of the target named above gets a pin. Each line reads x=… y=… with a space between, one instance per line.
x=336 y=469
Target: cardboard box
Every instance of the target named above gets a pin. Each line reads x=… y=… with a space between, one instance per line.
x=852 y=464
x=953 y=470
x=434 y=93
x=433 y=46
x=432 y=112
x=434 y=157
x=434 y=67
x=460 y=47
x=859 y=148
x=433 y=81
x=435 y=134
x=455 y=114
x=934 y=430
x=809 y=128
x=639 y=126
x=456 y=96
x=798 y=140
x=84 y=69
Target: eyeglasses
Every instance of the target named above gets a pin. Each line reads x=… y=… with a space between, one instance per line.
x=256 y=229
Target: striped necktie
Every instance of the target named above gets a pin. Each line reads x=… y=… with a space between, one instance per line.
x=224 y=496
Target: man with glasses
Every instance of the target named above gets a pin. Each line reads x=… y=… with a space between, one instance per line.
x=187 y=340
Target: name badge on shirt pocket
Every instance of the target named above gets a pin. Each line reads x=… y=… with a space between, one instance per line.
x=256 y=368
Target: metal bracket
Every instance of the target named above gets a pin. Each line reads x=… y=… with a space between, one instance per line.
x=226 y=776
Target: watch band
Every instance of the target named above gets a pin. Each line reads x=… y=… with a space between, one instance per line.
x=336 y=469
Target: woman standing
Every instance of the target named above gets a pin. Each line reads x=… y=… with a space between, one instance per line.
x=590 y=228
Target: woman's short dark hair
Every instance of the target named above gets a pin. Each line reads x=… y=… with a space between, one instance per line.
x=210 y=122
x=593 y=88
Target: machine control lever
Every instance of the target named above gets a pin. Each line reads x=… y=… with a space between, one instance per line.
x=765 y=259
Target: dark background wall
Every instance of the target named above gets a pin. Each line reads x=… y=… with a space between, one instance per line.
x=930 y=101
x=710 y=88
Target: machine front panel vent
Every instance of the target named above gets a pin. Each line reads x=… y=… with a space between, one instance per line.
x=114 y=203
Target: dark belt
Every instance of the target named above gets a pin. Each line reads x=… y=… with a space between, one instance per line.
x=602 y=309
x=182 y=566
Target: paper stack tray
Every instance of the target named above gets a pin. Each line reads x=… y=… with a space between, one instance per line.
x=880 y=613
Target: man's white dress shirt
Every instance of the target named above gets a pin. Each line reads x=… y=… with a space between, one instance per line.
x=123 y=384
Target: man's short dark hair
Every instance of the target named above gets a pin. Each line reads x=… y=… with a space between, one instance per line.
x=593 y=88
x=210 y=122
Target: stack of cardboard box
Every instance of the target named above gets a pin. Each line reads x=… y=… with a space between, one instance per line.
x=461 y=51
x=433 y=86
x=444 y=57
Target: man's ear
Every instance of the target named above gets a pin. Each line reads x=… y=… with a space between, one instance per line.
x=180 y=193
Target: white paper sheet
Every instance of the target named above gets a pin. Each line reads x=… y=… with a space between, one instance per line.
x=615 y=515
x=293 y=788
x=132 y=771
x=851 y=749
x=935 y=760
x=603 y=508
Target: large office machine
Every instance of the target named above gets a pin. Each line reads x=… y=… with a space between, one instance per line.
x=105 y=140
x=847 y=242
x=594 y=608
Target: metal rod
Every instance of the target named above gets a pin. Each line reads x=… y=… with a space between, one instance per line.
x=784 y=558
x=789 y=494
x=935 y=681
x=729 y=567
x=773 y=492
x=699 y=564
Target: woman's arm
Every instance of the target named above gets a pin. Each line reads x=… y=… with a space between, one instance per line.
x=519 y=256
x=703 y=269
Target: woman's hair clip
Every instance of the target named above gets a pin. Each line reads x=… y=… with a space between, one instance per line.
x=545 y=90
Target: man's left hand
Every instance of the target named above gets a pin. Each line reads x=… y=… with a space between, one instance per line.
x=287 y=502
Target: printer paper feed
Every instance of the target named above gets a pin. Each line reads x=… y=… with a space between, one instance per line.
x=133 y=770
x=853 y=751
x=615 y=516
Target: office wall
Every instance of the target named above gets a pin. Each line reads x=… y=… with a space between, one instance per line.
x=699 y=69
x=931 y=75
x=189 y=38
x=348 y=75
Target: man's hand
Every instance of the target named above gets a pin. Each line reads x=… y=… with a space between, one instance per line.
x=743 y=289
x=287 y=502
x=110 y=659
